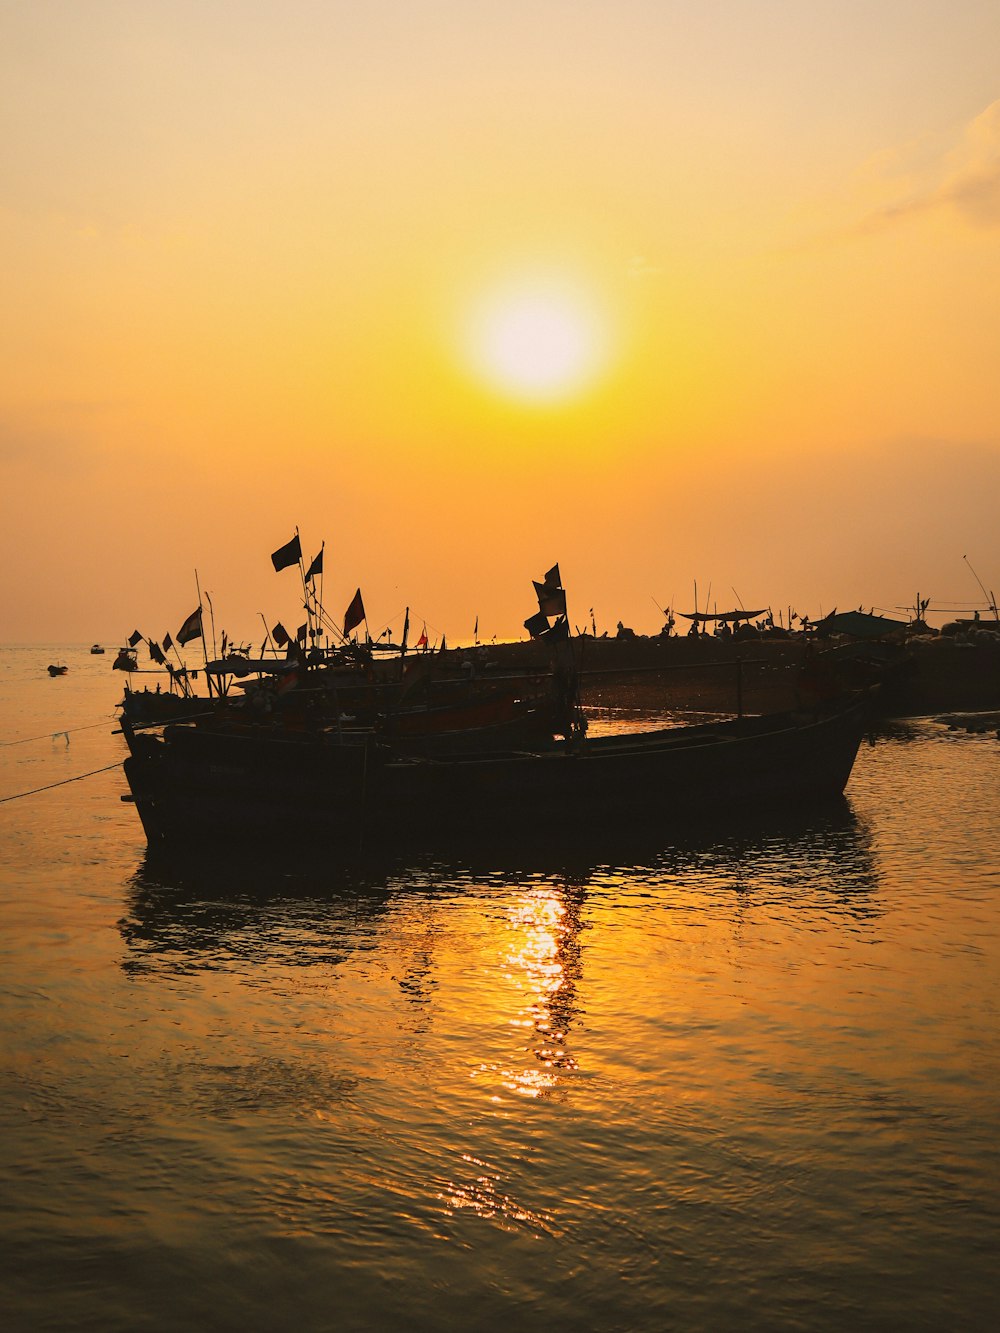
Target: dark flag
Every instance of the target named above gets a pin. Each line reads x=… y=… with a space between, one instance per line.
x=280 y=635
x=289 y=554
x=134 y=638
x=355 y=613
x=168 y=643
x=155 y=652
x=537 y=625
x=551 y=600
x=552 y=579
x=316 y=567
x=300 y=634
x=191 y=629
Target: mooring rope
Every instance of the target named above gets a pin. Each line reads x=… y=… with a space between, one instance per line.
x=61 y=731
x=61 y=783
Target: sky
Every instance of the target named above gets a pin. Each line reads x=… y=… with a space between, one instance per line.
x=670 y=293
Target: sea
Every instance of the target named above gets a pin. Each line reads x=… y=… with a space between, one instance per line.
x=715 y=1076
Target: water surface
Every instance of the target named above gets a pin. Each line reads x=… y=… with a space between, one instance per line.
x=722 y=1077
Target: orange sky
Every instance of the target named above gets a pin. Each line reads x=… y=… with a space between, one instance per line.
x=268 y=264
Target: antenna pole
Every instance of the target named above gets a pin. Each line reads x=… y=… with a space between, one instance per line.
x=204 y=645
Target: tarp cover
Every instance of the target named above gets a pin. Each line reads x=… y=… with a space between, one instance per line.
x=722 y=615
x=859 y=624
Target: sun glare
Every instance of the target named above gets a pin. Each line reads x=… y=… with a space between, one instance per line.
x=537 y=343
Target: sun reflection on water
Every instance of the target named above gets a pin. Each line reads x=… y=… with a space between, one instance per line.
x=542 y=963
x=481 y=1194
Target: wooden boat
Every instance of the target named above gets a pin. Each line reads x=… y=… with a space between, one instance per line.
x=96 y=649
x=125 y=660
x=146 y=707
x=224 y=783
x=55 y=670
x=491 y=722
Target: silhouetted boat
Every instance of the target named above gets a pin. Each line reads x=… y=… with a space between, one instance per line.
x=96 y=648
x=222 y=782
x=55 y=670
x=125 y=660
x=146 y=707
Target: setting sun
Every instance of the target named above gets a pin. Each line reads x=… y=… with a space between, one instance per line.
x=539 y=343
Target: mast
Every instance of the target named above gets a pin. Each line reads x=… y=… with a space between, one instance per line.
x=204 y=645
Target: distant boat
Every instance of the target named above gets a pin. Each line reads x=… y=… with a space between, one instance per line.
x=96 y=648
x=56 y=670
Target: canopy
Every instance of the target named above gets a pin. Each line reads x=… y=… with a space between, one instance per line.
x=722 y=615
x=859 y=624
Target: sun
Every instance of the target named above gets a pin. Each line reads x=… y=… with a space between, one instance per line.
x=538 y=343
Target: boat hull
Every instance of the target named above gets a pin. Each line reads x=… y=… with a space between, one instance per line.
x=233 y=787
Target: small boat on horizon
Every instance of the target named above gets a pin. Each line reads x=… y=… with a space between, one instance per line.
x=56 y=669
x=125 y=661
x=96 y=648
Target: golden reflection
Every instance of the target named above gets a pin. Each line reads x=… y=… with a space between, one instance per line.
x=543 y=962
x=482 y=1195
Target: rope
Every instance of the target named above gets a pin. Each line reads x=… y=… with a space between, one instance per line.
x=63 y=731
x=62 y=783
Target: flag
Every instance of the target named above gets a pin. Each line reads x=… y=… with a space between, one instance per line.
x=191 y=629
x=537 y=625
x=475 y=632
x=316 y=567
x=155 y=652
x=289 y=554
x=134 y=638
x=287 y=682
x=168 y=643
x=280 y=635
x=300 y=634
x=552 y=579
x=551 y=600
x=422 y=641
x=355 y=613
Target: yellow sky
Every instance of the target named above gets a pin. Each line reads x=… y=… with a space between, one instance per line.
x=246 y=246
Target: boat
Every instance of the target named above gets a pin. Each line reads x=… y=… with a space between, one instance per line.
x=57 y=670
x=96 y=648
x=224 y=783
x=486 y=720
x=147 y=707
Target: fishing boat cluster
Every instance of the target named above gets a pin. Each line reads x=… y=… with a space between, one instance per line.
x=347 y=740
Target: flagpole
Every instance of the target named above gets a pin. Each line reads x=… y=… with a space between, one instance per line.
x=305 y=596
x=211 y=613
x=267 y=635
x=322 y=571
x=204 y=645
x=332 y=625
x=574 y=669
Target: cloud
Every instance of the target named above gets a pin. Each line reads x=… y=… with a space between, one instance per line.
x=967 y=180
x=974 y=189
